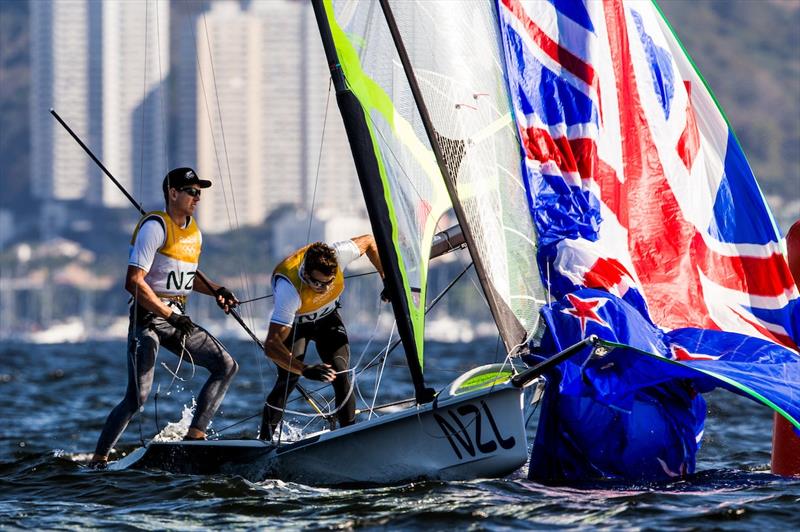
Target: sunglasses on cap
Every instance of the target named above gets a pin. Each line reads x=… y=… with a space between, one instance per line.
x=193 y=192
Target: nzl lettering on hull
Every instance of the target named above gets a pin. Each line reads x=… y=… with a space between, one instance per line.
x=466 y=430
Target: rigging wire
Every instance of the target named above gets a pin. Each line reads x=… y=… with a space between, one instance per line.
x=319 y=161
x=308 y=238
x=209 y=114
x=217 y=158
x=236 y=225
x=232 y=223
x=161 y=92
x=270 y=295
x=141 y=190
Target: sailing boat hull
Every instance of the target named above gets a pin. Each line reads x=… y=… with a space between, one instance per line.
x=474 y=435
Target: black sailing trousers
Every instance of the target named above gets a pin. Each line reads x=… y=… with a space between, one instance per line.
x=145 y=334
x=333 y=347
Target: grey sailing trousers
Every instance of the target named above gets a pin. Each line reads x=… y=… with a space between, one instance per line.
x=145 y=334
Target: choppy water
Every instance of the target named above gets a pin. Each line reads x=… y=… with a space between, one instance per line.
x=54 y=399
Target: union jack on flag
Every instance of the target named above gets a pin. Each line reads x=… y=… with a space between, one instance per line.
x=639 y=190
x=635 y=180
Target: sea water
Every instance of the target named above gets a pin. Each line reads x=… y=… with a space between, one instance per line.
x=54 y=401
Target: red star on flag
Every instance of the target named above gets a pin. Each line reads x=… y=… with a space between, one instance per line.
x=585 y=310
x=681 y=353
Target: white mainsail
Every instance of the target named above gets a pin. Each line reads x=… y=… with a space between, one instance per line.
x=437 y=130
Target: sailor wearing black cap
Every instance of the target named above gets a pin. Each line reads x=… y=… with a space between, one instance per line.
x=162 y=270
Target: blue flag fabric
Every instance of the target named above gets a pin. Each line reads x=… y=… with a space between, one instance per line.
x=633 y=410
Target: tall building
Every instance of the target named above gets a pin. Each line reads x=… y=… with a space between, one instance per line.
x=60 y=79
x=134 y=102
x=102 y=66
x=184 y=18
x=261 y=91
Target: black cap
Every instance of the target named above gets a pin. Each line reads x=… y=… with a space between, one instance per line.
x=183 y=177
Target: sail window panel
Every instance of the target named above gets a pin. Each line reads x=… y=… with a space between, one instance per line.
x=455 y=52
x=408 y=199
x=418 y=196
x=415 y=192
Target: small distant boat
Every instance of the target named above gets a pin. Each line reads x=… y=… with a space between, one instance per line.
x=66 y=332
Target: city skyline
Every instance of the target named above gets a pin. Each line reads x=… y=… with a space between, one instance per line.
x=243 y=100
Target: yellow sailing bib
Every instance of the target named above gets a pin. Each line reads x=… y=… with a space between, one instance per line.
x=175 y=264
x=311 y=302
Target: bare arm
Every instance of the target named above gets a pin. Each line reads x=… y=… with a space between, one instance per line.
x=143 y=294
x=366 y=244
x=204 y=285
x=275 y=349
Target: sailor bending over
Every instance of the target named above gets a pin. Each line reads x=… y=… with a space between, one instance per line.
x=307 y=286
x=162 y=269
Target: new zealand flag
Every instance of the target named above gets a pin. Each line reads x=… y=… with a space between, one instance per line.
x=637 y=186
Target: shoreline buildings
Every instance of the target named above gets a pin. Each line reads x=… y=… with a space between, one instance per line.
x=134 y=80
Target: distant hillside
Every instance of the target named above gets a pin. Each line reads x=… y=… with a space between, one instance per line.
x=749 y=53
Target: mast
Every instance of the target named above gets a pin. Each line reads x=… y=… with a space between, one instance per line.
x=510 y=329
x=361 y=146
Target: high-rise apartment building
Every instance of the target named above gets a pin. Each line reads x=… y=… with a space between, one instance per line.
x=60 y=79
x=261 y=91
x=134 y=102
x=102 y=66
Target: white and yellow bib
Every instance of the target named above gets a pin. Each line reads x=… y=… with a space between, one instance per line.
x=175 y=263
x=312 y=303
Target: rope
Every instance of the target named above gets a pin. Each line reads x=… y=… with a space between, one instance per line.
x=141 y=190
x=178 y=367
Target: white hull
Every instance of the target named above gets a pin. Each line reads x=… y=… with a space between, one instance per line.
x=472 y=435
